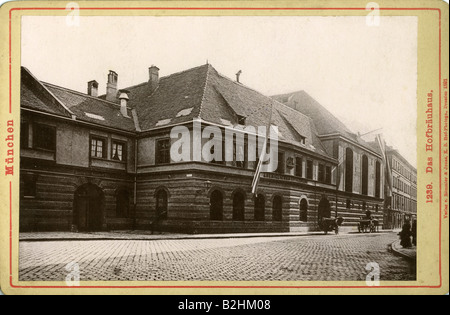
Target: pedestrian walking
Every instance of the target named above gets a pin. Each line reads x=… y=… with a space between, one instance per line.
x=405 y=235
x=414 y=232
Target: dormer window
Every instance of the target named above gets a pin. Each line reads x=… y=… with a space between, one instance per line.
x=241 y=120
x=302 y=140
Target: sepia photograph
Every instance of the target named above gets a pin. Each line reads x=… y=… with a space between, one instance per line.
x=247 y=147
x=105 y=192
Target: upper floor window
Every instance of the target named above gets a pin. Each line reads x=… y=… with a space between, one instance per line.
x=281 y=166
x=163 y=151
x=299 y=167
x=328 y=174
x=44 y=137
x=98 y=148
x=24 y=134
x=118 y=151
x=309 y=169
x=321 y=173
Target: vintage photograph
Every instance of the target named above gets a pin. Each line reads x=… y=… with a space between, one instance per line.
x=218 y=148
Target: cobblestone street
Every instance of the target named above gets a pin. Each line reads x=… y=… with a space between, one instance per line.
x=319 y=257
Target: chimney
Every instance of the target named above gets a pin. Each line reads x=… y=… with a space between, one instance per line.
x=92 y=88
x=153 y=80
x=238 y=74
x=111 y=86
x=123 y=97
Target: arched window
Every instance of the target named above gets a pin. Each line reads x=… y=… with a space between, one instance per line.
x=304 y=210
x=260 y=207
x=122 y=203
x=349 y=170
x=216 y=205
x=365 y=175
x=238 y=206
x=277 y=213
x=161 y=204
x=377 y=179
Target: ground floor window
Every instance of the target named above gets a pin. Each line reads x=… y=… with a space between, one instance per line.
x=303 y=210
x=277 y=208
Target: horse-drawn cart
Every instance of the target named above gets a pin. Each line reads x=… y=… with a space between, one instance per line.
x=330 y=224
x=368 y=226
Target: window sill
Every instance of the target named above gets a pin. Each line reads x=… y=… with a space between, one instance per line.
x=107 y=160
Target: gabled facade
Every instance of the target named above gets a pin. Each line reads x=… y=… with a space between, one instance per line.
x=92 y=162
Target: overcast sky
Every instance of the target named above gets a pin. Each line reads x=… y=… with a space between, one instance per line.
x=365 y=75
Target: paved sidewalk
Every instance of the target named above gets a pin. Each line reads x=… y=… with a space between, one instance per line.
x=410 y=253
x=146 y=235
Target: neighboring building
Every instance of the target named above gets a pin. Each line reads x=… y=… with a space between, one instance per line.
x=92 y=162
x=360 y=172
x=401 y=204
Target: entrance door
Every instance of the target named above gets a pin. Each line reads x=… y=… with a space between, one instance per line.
x=324 y=209
x=88 y=208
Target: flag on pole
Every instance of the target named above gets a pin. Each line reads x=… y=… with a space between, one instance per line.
x=262 y=156
x=336 y=168
x=257 y=176
x=382 y=145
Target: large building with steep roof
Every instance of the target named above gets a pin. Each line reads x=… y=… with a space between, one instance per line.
x=91 y=162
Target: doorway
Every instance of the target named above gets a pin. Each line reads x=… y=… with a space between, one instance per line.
x=88 y=208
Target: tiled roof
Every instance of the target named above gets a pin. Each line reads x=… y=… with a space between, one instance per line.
x=325 y=122
x=57 y=100
x=203 y=93
x=34 y=95
x=244 y=101
x=92 y=109
x=174 y=94
x=199 y=92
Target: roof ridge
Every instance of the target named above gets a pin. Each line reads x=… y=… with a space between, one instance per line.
x=80 y=93
x=48 y=91
x=268 y=97
x=204 y=89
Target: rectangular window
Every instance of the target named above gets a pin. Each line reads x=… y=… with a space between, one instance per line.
x=328 y=174
x=163 y=151
x=24 y=134
x=309 y=169
x=44 y=137
x=216 y=147
x=299 y=167
x=98 y=148
x=29 y=186
x=118 y=152
x=321 y=173
x=280 y=169
x=240 y=154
